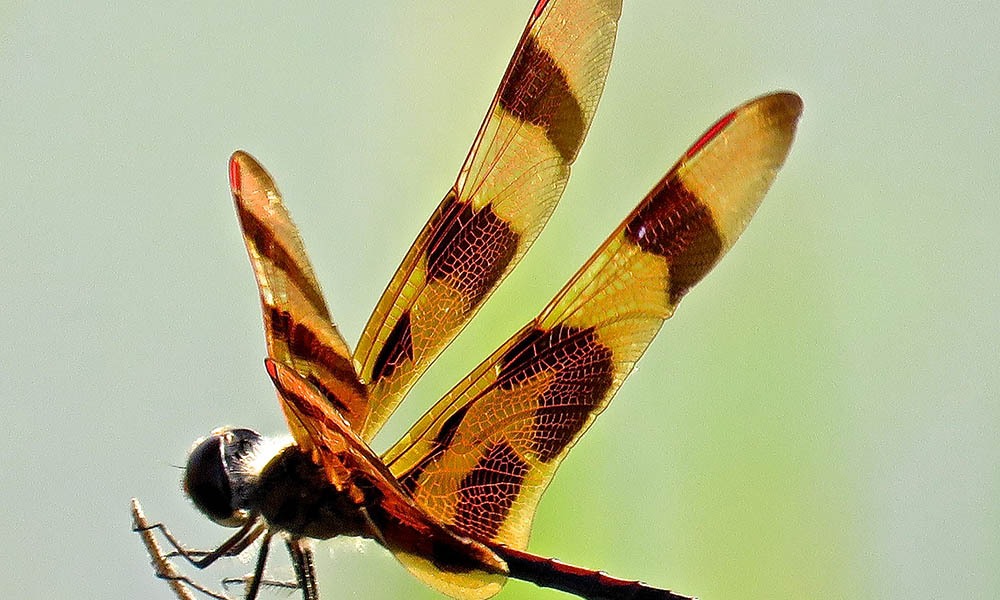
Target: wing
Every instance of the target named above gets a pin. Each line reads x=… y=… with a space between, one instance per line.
x=506 y=190
x=297 y=324
x=480 y=459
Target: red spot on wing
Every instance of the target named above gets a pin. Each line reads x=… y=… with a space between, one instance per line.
x=711 y=133
x=272 y=368
x=234 y=174
x=540 y=7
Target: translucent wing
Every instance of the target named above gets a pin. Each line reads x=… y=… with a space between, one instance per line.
x=506 y=190
x=297 y=324
x=480 y=459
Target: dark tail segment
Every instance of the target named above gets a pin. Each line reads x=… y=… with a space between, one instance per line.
x=593 y=585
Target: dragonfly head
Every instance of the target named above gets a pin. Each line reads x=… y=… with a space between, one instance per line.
x=219 y=477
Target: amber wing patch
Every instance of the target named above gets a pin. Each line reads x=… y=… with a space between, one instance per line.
x=508 y=186
x=480 y=459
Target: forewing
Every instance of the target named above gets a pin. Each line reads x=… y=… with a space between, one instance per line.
x=297 y=324
x=481 y=458
x=506 y=190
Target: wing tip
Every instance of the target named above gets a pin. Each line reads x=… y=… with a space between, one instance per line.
x=247 y=176
x=781 y=106
x=780 y=111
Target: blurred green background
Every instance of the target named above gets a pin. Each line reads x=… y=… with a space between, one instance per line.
x=818 y=421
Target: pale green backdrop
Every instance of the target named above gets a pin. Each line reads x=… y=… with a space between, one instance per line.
x=818 y=421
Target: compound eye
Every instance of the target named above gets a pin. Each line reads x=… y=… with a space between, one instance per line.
x=206 y=481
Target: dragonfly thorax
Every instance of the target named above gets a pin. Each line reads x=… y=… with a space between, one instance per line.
x=295 y=495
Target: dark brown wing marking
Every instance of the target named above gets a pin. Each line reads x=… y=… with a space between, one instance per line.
x=675 y=225
x=397 y=350
x=480 y=459
x=510 y=183
x=583 y=372
x=487 y=492
x=554 y=108
x=470 y=251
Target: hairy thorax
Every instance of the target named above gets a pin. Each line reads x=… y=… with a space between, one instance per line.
x=294 y=494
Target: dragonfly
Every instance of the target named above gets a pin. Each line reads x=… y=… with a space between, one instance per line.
x=455 y=497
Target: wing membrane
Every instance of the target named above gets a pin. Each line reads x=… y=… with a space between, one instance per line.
x=480 y=459
x=510 y=183
x=297 y=324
